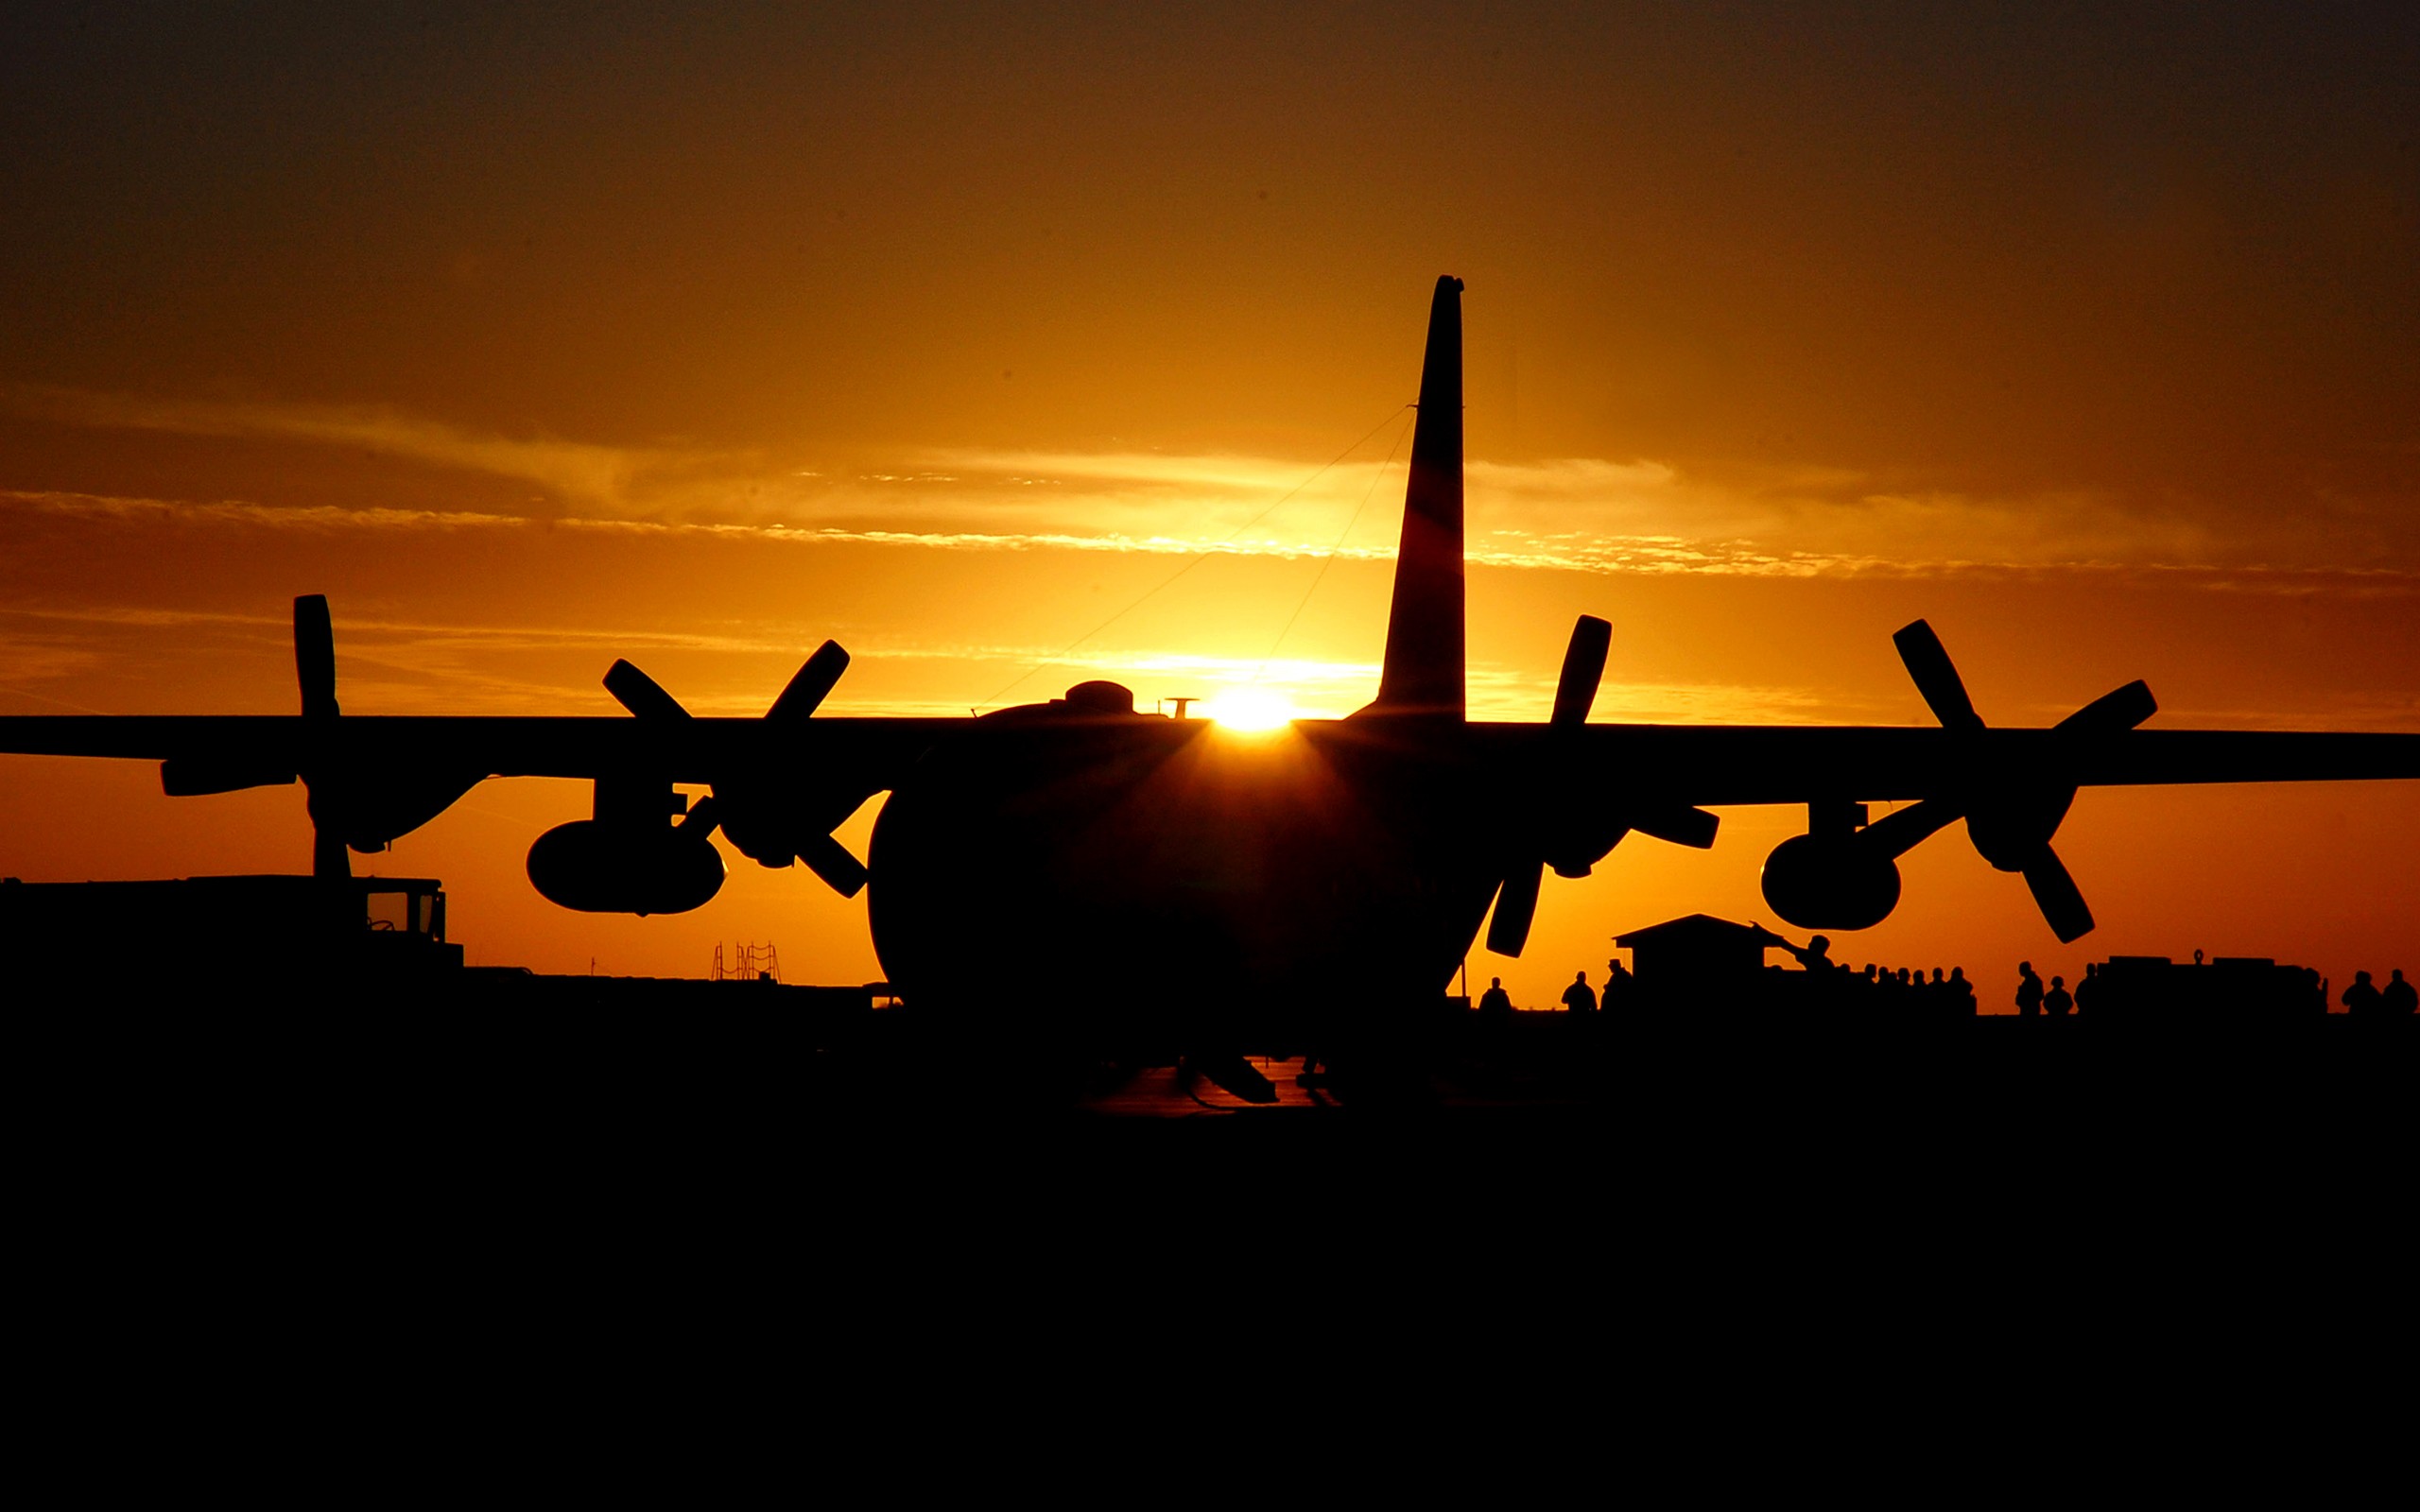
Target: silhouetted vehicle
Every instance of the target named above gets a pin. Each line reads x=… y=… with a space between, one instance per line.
x=2229 y=989
x=1320 y=886
x=272 y=937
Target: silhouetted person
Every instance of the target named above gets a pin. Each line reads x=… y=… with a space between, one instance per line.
x=2089 y=988
x=1579 y=997
x=1815 y=955
x=2361 y=1000
x=2029 y=990
x=1494 y=1005
x=2399 y=996
x=1961 y=993
x=2056 y=1003
x=1620 y=984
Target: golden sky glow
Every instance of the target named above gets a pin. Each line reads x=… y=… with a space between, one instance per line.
x=696 y=336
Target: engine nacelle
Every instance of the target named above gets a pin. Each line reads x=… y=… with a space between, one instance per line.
x=617 y=868
x=1830 y=883
x=2011 y=831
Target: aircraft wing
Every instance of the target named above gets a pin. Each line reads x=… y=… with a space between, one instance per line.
x=681 y=750
x=1717 y=765
x=1591 y=783
x=1709 y=765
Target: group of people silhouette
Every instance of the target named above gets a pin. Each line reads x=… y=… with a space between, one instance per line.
x=1907 y=991
x=1898 y=990
x=1578 y=999
x=2365 y=999
x=2057 y=1003
x=1903 y=991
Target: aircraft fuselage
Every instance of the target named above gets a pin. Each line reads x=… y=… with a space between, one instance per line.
x=1157 y=880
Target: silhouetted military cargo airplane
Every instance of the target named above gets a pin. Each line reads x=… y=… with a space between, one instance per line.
x=1178 y=875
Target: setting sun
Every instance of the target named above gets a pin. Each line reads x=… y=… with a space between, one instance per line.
x=1252 y=709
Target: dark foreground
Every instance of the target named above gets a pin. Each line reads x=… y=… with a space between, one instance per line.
x=734 y=1086
x=459 y=1203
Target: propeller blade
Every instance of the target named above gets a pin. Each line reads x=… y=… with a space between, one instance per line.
x=1583 y=667
x=1896 y=835
x=1693 y=828
x=329 y=857
x=810 y=683
x=703 y=815
x=1936 y=676
x=640 y=694
x=2055 y=892
x=2113 y=713
x=830 y=859
x=1517 y=905
x=315 y=656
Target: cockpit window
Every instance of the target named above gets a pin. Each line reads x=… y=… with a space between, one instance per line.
x=390 y=911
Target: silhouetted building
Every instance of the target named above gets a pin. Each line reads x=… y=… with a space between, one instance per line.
x=1696 y=955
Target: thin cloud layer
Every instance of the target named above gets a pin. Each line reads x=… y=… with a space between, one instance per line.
x=1896 y=533
x=1571 y=514
x=593 y=474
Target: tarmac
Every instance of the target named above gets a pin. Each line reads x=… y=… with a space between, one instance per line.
x=389 y=1178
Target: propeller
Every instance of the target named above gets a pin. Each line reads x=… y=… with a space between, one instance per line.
x=2011 y=815
x=771 y=819
x=359 y=798
x=315 y=673
x=1567 y=824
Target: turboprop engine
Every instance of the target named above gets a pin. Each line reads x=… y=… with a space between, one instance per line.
x=629 y=860
x=1841 y=876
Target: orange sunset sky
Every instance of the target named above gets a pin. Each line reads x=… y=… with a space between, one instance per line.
x=539 y=335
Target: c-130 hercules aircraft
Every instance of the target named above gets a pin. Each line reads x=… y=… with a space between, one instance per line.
x=1345 y=867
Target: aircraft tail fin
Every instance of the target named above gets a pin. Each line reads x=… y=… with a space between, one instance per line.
x=1425 y=637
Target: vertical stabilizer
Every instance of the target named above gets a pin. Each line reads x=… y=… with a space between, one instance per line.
x=1423 y=666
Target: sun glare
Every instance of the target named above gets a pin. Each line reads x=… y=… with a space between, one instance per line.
x=1252 y=709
